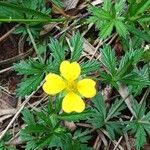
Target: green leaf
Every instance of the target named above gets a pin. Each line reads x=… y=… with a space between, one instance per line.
x=30 y=145
x=138 y=33
x=28 y=117
x=17 y=14
x=128 y=61
x=58 y=3
x=141 y=7
x=26 y=136
x=140 y=126
x=29 y=67
x=113 y=127
x=107 y=30
x=116 y=108
x=58 y=52
x=107 y=5
x=121 y=28
x=89 y=67
x=99 y=104
x=35 y=128
x=140 y=137
x=76 y=46
x=15 y=8
x=44 y=141
x=108 y=59
x=143 y=72
x=99 y=13
x=82 y=136
x=99 y=112
x=145 y=18
x=119 y=5
x=28 y=85
x=75 y=116
x=135 y=79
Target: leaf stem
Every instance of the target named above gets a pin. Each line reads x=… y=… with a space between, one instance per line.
x=31 y=20
x=34 y=44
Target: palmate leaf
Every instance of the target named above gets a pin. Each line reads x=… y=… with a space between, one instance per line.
x=29 y=67
x=107 y=5
x=120 y=5
x=58 y=52
x=108 y=59
x=35 y=128
x=45 y=133
x=121 y=28
x=107 y=29
x=114 y=128
x=98 y=116
x=140 y=136
x=89 y=66
x=139 y=33
x=140 y=126
x=116 y=108
x=28 y=117
x=83 y=137
x=76 y=142
x=76 y=46
x=128 y=61
x=143 y=72
x=99 y=13
x=101 y=117
x=135 y=79
x=28 y=85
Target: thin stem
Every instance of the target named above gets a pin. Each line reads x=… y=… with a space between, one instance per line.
x=32 y=20
x=34 y=44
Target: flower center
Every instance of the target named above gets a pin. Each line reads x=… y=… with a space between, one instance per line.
x=71 y=86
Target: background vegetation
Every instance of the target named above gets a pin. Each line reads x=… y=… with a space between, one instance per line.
x=110 y=39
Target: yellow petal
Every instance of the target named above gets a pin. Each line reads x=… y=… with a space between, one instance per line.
x=54 y=84
x=73 y=102
x=70 y=71
x=86 y=88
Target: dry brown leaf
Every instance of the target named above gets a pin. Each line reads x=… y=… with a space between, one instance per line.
x=70 y=4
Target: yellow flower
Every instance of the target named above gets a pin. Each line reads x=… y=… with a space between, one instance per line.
x=69 y=82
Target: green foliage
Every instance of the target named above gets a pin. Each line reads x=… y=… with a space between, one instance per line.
x=143 y=79
x=28 y=85
x=58 y=52
x=108 y=59
x=103 y=118
x=29 y=67
x=107 y=19
x=4 y=140
x=79 y=141
x=76 y=46
x=75 y=116
x=140 y=126
x=121 y=16
x=24 y=12
x=58 y=3
x=34 y=71
x=125 y=72
x=89 y=67
x=43 y=130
